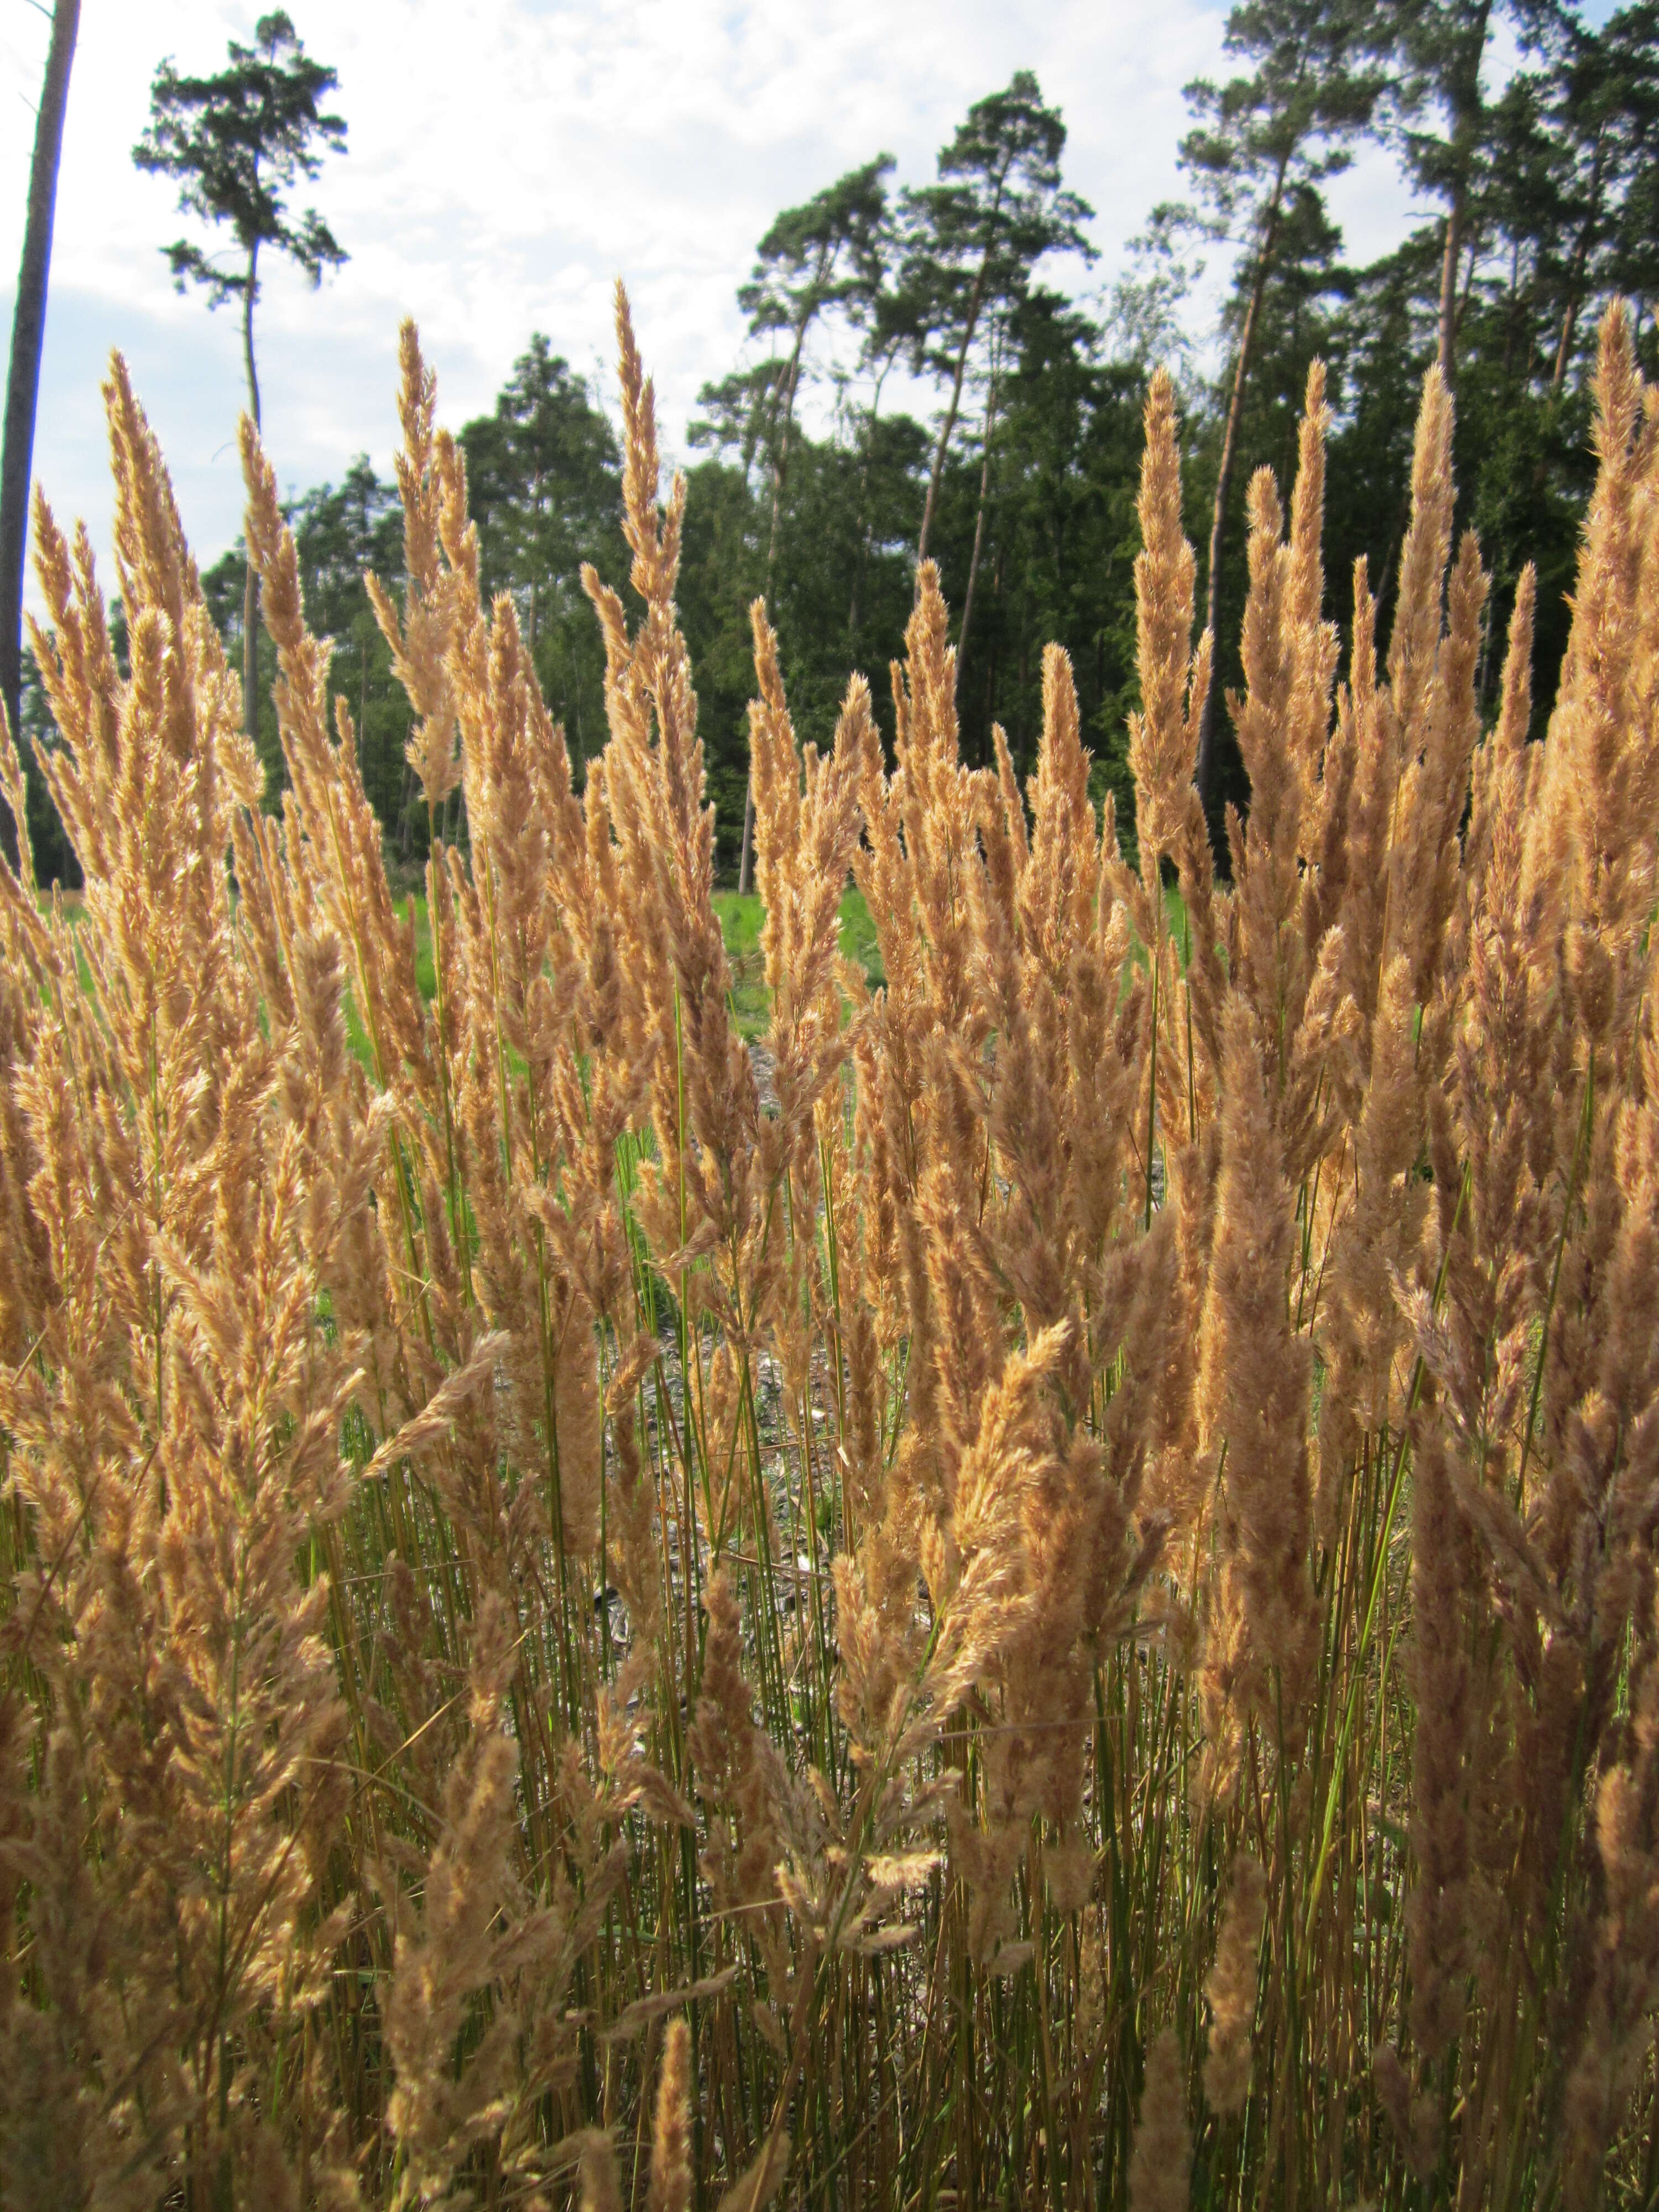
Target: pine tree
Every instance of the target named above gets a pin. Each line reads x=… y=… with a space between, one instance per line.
x=338 y=532
x=1607 y=107
x=544 y=480
x=825 y=253
x=237 y=142
x=1265 y=142
x=1438 y=51
x=977 y=236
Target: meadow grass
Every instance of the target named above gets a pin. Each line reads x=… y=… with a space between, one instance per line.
x=988 y=1541
x=740 y=920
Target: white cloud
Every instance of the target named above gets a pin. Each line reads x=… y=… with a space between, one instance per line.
x=507 y=158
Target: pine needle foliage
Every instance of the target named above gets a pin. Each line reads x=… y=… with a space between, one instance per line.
x=1055 y=1607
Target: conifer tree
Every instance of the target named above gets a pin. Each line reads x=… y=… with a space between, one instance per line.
x=1265 y=143
x=1443 y=43
x=237 y=142
x=822 y=254
x=1437 y=51
x=888 y=316
x=1606 y=110
x=977 y=236
x=544 y=483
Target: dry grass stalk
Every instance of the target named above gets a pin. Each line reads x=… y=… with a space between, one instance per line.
x=507 y=1537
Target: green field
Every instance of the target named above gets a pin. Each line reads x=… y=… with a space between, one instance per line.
x=740 y=918
x=740 y=921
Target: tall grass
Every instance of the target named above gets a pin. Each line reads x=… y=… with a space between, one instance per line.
x=1063 y=1614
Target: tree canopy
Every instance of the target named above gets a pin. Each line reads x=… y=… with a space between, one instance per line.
x=1011 y=453
x=236 y=143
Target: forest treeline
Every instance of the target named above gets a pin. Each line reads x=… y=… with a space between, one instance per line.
x=929 y=369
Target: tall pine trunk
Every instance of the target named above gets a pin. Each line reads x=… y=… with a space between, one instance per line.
x=1450 y=262
x=979 y=530
x=863 y=525
x=251 y=586
x=1575 y=273
x=1464 y=97
x=28 y=330
x=1224 y=483
x=780 y=464
x=974 y=301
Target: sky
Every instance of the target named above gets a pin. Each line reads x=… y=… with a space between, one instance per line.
x=507 y=160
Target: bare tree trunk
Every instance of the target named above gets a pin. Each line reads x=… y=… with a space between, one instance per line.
x=1575 y=280
x=1224 y=483
x=1465 y=118
x=1471 y=246
x=747 y=852
x=979 y=531
x=1448 y=265
x=1510 y=306
x=863 y=526
x=780 y=464
x=28 y=330
x=950 y=424
x=1564 y=351
x=536 y=511
x=976 y=301
x=251 y=586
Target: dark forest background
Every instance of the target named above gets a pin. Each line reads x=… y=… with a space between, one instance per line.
x=915 y=379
